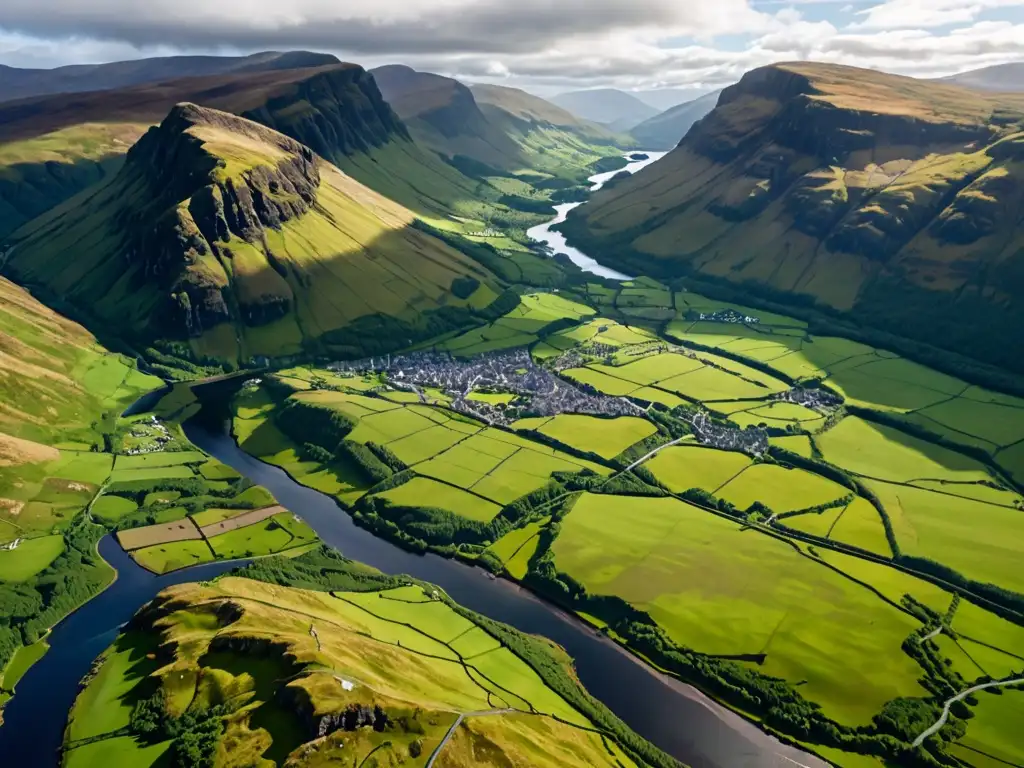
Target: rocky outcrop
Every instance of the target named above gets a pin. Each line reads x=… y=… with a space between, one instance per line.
x=197 y=210
x=353 y=717
x=336 y=113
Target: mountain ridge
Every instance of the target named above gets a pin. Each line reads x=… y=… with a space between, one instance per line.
x=18 y=83
x=886 y=198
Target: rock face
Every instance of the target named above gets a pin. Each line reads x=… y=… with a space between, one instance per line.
x=353 y=717
x=198 y=212
x=895 y=200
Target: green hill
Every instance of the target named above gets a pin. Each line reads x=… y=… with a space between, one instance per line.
x=892 y=200
x=53 y=147
x=376 y=671
x=238 y=239
x=492 y=130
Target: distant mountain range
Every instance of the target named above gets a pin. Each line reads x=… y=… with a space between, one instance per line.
x=18 y=83
x=617 y=110
x=1003 y=77
x=666 y=130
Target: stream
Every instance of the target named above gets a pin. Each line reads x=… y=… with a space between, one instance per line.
x=543 y=233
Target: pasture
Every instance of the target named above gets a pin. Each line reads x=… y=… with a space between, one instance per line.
x=780 y=489
x=151 y=473
x=30 y=557
x=271 y=535
x=158 y=459
x=683 y=467
x=424 y=492
x=173 y=556
x=113 y=508
x=860 y=525
x=605 y=437
x=798 y=444
x=223 y=524
x=515 y=548
x=884 y=453
x=721 y=590
x=994 y=730
x=984 y=542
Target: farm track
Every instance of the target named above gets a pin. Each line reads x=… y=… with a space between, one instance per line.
x=960 y=697
x=455 y=726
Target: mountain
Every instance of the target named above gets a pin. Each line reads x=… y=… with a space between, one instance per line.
x=229 y=235
x=892 y=200
x=666 y=130
x=18 y=83
x=53 y=147
x=616 y=109
x=1002 y=77
x=492 y=130
x=666 y=98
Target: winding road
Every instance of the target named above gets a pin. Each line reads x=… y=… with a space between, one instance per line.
x=960 y=697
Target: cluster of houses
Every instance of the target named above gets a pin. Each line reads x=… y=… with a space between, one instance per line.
x=723 y=316
x=752 y=440
x=537 y=391
x=146 y=429
x=816 y=399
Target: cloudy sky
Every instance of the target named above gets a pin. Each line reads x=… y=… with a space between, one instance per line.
x=542 y=45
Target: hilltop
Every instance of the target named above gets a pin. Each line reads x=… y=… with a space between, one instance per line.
x=238 y=239
x=17 y=83
x=355 y=668
x=889 y=199
x=493 y=130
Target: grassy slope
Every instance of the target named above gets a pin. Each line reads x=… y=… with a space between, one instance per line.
x=353 y=254
x=877 y=217
x=396 y=647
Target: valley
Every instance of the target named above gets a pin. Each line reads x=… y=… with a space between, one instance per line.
x=331 y=431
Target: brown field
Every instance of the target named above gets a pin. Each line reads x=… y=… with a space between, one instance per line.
x=14 y=451
x=241 y=521
x=137 y=538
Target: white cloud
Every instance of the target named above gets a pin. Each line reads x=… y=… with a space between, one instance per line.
x=926 y=14
x=536 y=44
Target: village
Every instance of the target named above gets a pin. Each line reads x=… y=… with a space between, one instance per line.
x=752 y=440
x=537 y=391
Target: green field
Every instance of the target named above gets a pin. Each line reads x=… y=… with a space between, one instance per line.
x=163 y=558
x=113 y=508
x=721 y=590
x=982 y=541
x=780 y=489
x=994 y=730
x=605 y=437
x=422 y=491
x=884 y=453
x=515 y=548
x=150 y=473
x=31 y=557
x=26 y=656
x=276 y=534
x=683 y=467
x=159 y=459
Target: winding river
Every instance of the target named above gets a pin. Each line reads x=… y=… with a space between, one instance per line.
x=675 y=716
x=543 y=233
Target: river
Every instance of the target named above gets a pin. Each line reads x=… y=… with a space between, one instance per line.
x=543 y=233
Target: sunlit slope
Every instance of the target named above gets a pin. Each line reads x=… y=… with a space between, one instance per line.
x=895 y=199
x=492 y=129
x=297 y=677
x=53 y=147
x=236 y=238
x=57 y=384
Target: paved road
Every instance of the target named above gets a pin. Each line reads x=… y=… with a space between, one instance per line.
x=960 y=697
x=457 y=723
x=657 y=450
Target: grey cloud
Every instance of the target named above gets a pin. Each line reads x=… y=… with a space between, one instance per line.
x=486 y=26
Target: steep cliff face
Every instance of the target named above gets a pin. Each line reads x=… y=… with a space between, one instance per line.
x=863 y=191
x=235 y=238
